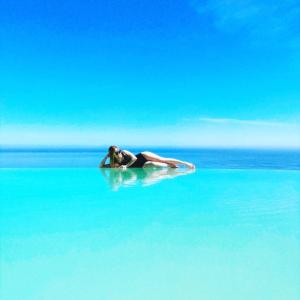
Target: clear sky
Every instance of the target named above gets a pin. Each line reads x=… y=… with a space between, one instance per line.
x=150 y=72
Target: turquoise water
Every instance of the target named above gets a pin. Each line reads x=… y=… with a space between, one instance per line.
x=79 y=233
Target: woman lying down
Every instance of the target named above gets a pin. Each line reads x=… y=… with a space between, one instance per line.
x=125 y=159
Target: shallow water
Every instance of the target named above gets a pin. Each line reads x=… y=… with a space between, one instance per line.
x=79 y=233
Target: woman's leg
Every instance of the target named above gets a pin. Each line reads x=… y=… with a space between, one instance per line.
x=170 y=161
x=153 y=164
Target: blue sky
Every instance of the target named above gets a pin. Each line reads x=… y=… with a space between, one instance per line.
x=221 y=73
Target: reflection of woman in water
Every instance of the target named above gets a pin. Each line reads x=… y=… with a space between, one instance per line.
x=125 y=159
x=117 y=178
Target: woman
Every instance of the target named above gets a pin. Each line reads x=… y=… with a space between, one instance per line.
x=125 y=159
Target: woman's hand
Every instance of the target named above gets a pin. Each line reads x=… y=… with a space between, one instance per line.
x=102 y=163
x=123 y=167
x=132 y=158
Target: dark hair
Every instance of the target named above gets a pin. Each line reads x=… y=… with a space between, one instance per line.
x=112 y=150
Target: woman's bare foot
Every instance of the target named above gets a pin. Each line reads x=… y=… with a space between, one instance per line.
x=189 y=165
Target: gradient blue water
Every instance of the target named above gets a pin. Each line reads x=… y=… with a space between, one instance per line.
x=217 y=233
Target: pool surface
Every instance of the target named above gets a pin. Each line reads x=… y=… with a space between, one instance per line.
x=79 y=233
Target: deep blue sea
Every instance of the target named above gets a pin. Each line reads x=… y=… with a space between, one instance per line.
x=229 y=230
x=202 y=158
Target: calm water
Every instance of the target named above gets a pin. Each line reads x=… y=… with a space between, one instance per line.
x=230 y=230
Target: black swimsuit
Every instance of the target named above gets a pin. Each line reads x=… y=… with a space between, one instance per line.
x=139 y=163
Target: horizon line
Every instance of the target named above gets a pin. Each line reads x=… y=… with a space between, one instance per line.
x=94 y=147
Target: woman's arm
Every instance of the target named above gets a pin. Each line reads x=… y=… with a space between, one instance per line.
x=102 y=163
x=132 y=159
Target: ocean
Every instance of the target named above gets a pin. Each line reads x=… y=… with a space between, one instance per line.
x=202 y=158
x=228 y=230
